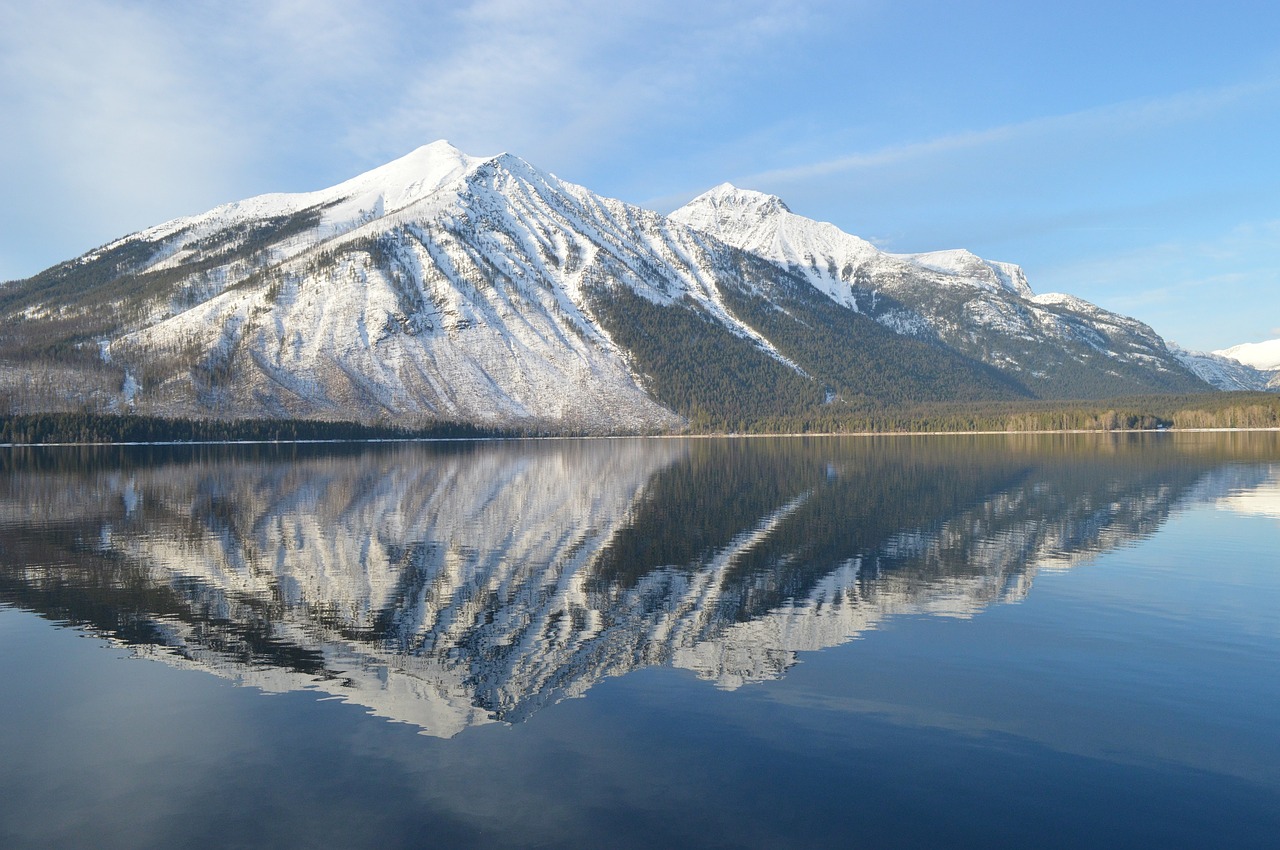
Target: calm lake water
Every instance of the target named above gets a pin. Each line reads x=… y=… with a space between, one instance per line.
x=1059 y=641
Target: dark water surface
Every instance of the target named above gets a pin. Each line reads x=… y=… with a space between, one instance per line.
x=1061 y=641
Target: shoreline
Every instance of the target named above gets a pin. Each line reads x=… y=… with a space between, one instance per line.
x=718 y=436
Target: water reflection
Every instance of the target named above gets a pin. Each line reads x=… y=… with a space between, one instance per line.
x=452 y=585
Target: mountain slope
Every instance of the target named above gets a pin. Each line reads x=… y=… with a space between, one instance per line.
x=448 y=286
x=443 y=286
x=1227 y=373
x=1055 y=345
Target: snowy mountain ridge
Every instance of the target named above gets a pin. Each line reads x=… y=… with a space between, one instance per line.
x=765 y=225
x=1259 y=355
x=443 y=286
x=983 y=308
x=1229 y=373
x=380 y=191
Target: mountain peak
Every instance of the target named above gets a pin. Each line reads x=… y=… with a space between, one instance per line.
x=726 y=210
x=381 y=190
x=727 y=194
x=962 y=262
x=438 y=147
x=484 y=290
x=1259 y=355
x=411 y=177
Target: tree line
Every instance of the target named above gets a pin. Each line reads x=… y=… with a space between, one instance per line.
x=99 y=428
x=1142 y=413
x=1209 y=410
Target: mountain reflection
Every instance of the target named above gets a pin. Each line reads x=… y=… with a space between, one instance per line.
x=454 y=584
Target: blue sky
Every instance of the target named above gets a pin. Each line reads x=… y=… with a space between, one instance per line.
x=1126 y=153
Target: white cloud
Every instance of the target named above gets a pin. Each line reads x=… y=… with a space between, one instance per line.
x=128 y=114
x=1249 y=243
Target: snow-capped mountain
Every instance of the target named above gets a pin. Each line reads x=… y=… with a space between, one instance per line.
x=1260 y=355
x=1054 y=344
x=449 y=287
x=1228 y=373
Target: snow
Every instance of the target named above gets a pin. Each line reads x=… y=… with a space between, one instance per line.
x=827 y=256
x=477 y=306
x=130 y=388
x=1224 y=373
x=763 y=225
x=991 y=313
x=987 y=274
x=1060 y=299
x=1259 y=355
x=496 y=254
x=375 y=193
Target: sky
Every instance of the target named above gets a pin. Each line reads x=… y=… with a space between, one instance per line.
x=1126 y=153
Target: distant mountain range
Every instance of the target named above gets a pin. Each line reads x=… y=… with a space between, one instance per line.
x=448 y=287
x=1251 y=366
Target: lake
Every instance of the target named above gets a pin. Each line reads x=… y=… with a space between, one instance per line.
x=962 y=641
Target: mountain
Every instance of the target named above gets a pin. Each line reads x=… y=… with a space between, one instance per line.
x=1228 y=373
x=443 y=286
x=1259 y=355
x=1252 y=366
x=1055 y=345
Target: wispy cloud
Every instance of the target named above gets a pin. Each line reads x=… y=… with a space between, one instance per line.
x=119 y=115
x=1125 y=118
x=1180 y=286
x=1250 y=243
x=549 y=78
x=122 y=114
